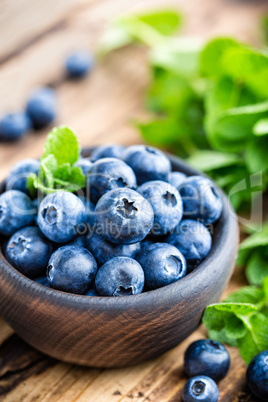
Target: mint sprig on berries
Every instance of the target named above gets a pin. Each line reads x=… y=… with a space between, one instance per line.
x=58 y=171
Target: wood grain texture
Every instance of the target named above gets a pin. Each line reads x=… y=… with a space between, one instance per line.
x=90 y=108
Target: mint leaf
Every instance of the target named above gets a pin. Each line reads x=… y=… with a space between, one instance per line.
x=210 y=160
x=257 y=267
x=261 y=127
x=255 y=241
x=62 y=143
x=256 y=155
x=246 y=294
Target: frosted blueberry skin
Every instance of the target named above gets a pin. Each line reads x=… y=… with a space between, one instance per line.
x=78 y=64
x=148 y=163
x=200 y=388
x=60 y=215
x=71 y=269
x=120 y=276
x=16 y=211
x=193 y=240
x=107 y=151
x=29 y=251
x=19 y=174
x=123 y=216
x=41 y=107
x=206 y=357
x=162 y=264
x=42 y=280
x=166 y=203
x=84 y=164
x=108 y=174
x=90 y=213
x=257 y=375
x=201 y=199
x=103 y=250
x=13 y=126
x=176 y=179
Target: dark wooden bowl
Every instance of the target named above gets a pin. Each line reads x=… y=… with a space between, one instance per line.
x=120 y=331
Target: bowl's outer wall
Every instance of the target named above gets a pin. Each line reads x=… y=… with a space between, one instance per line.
x=115 y=332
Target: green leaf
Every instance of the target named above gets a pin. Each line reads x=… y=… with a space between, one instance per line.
x=63 y=144
x=261 y=127
x=256 y=240
x=257 y=268
x=246 y=294
x=48 y=167
x=165 y=21
x=114 y=38
x=256 y=155
x=210 y=160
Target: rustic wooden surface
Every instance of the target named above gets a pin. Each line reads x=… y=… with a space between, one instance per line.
x=35 y=37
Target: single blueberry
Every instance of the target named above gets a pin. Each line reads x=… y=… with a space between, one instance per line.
x=162 y=264
x=84 y=164
x=200 y=388
x=90 y=215
x=29 y=251
x=42 y=280
x=13 y=126
x=41 y=107
x=107 y=151
x=92 y=291
x=16 y=211
x=79 y=240
x=120 y=276
x=166 y=203
x=108 y=174
x=60 y=216
x=176 y=179
x=78 y=64
x=201 y=199
x=257 y=375
x=206 y=357
x=103 y=250
x=19 y=174
x=148 y=163
x=123 y=216
x=71 y=269
x=193 y=240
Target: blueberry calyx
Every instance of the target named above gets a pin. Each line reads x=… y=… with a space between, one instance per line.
x=19 y=246
x=170 y=199
x=123 y=291
x=151 y=150
x=173 y=265
x=120 y=182
x=198 y=388
x=126 y=208
x=50 y=214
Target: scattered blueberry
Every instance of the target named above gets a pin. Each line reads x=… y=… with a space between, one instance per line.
x=103 y=250
x=193 y=240
x=108 y=174
x=200 y=388
x=206 y=357
x=29 y=251
x=13 y=126
x=201 y=199
x=148 y=163
x=120 y=276
x=41 y=107
x=18 y=177
x=84 y=164
x=59 y=215
x=78 y=64
x=162 y=264
x=166 y=203
x=16 y=211
x=257 y=375
x=71 y=269
x=176 y=179
x=123 y=216
x=107 y=151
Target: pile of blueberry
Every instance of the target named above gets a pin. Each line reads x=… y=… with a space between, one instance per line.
x=137 y=226
x=207 y=362
x=40 y=108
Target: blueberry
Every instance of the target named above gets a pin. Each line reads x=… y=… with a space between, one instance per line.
x=120 y=276
x=79 y=240
x=123 y=216
x=29 y=251
x=206 y=357
x=13 y=126
x=103 y=250
x=71 y=269
x=42 y=280
x=108 y=174
x=162 y=264
x=200 y=388
x=166 y=203
x=16 y=211
x=148 y=163
x=84 y=164
x=41 y=107
x=78 y=64
x=257 y=375
x=90 y=213
x=18 y=177
x=201 y=199
x=107 y=151
x=176 y=179
x=60 y=216
x=92 y=291
x=193 y=240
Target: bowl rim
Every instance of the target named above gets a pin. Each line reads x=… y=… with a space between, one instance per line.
x=226 y=221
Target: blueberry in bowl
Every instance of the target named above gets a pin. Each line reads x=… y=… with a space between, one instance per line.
x=136 y=323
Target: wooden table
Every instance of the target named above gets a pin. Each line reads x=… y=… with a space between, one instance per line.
x=35 y=37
